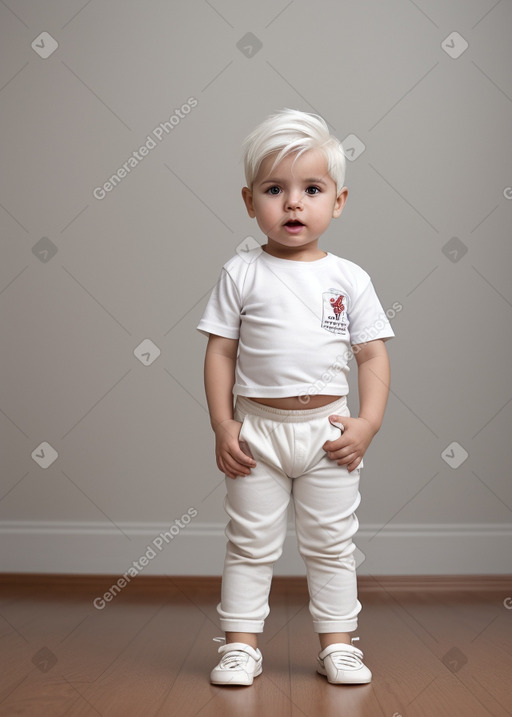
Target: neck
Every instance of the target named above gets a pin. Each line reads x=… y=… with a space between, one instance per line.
x=309 y=252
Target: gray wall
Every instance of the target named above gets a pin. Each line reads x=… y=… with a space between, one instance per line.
x=84 y=280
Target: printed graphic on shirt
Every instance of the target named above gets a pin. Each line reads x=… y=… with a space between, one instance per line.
x=334 y=317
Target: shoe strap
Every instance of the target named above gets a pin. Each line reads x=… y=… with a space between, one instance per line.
x=349 y=651
x=342 y=660
x=238 y=647
x=234 y=659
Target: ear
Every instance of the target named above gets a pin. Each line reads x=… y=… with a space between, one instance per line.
x=247 y=197
x=340 y=202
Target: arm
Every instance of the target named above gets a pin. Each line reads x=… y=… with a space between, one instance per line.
x=219 y=378
x=373 y=382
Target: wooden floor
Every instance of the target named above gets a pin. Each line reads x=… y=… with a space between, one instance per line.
x=436 y=647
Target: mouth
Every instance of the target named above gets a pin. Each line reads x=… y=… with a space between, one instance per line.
x=293 y=226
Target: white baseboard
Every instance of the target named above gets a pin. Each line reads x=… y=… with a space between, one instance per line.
x=198 y=549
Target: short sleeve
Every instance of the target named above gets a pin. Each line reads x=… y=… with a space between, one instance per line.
x=368 y=320
x=222 y=313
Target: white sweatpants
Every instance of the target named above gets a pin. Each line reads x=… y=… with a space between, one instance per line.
x=291 y=463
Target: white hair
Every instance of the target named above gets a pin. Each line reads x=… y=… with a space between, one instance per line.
x=290 y=131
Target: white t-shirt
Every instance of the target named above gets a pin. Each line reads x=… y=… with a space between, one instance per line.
x=295 y=322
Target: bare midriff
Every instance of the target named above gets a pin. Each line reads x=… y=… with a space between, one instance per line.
x=291 y=403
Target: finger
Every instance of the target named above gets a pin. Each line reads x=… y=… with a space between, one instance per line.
x=227 y=472
x=338 y=424
x=243 y=462
x=340 y=421
x=338 y=452
x=235 y=460
x=224 y=468
x=347 y=460
x=234 y=467
x=335 y=446
x=337 y=443
x=334 y=417
x=244 y=456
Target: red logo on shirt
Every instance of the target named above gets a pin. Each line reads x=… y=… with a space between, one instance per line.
x=337 y=305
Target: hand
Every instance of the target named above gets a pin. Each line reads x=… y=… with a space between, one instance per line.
x=351 y=446
x=231 y=459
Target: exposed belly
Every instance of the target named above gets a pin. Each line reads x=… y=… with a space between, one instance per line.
x=291 y=403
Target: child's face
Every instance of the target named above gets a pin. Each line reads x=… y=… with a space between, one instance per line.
x=282 y=199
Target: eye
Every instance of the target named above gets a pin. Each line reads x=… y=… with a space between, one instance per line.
x=273 y=190
x=313 y=190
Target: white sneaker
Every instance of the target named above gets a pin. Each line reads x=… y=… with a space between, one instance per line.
x=239 y=665
x=343 y=665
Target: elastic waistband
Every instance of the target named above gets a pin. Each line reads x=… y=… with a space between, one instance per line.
x=245 y=405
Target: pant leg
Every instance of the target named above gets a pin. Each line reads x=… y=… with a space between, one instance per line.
x=325 y=498
x=257 y=506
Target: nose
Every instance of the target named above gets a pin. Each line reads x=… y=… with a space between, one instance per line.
x=294 y=201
